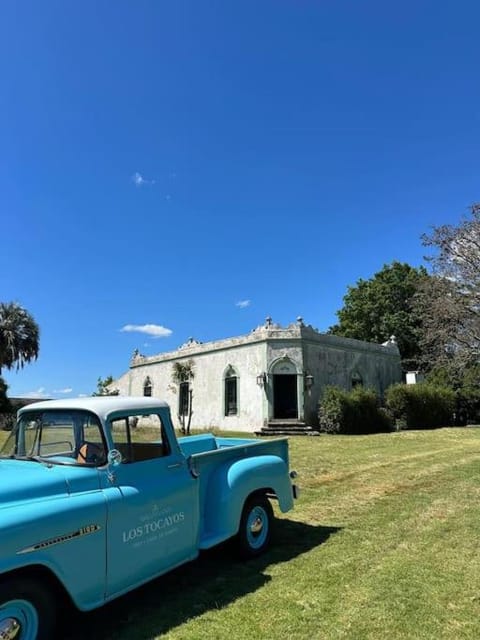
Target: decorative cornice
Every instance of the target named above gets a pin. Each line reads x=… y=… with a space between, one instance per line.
x=267 y=332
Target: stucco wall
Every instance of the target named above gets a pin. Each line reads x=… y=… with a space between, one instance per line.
x=334 y=361
x=208 y=385
x=331 y=360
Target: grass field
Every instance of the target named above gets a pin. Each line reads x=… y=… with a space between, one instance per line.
x=383 y=544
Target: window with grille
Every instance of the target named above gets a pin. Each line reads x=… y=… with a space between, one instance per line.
x=231 y=407
x=147 y=387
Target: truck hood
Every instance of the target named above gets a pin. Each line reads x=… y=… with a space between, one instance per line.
x=25 y=480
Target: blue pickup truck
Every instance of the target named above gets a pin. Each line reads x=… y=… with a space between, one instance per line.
x=98 y=496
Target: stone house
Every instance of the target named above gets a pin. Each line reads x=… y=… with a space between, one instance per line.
x=271 y=376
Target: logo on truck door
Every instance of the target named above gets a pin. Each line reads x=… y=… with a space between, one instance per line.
x=153 y=526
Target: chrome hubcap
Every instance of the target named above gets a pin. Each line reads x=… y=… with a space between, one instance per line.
x=257 y=525
x=9 y=629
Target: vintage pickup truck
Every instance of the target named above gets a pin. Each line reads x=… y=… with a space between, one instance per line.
x=97 y=496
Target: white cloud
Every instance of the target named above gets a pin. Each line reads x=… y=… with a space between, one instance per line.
x=154 y=330
x=66 y=390
x=140 y=181
x=243 y=304
x=39 y=393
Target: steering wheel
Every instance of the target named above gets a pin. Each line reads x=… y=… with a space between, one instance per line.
x=90 y=452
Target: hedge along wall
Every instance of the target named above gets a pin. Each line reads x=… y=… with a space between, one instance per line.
x=420 y=406
x=352 y=412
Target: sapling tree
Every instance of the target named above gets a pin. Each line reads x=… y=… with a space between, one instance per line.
x=182 y=375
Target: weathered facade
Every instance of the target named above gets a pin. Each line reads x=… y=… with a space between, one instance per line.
x=270 y=375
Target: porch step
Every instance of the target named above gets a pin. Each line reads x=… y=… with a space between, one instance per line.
x=287 y=428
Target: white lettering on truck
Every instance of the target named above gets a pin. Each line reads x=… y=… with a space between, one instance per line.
x=153 y=526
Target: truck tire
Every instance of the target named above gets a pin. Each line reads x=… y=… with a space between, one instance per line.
x=255 y=531
x=27 y=610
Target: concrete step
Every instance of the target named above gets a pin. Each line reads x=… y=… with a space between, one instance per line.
x=287 y=431
x=282 y=424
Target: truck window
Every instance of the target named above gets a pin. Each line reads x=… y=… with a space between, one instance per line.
x=62 y=437
x=139 y=437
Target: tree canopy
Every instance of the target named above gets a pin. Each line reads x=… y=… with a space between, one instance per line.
x=183 y=371
x=19 y=336
x=449 y=302
x=103 y=387
x=380 y=307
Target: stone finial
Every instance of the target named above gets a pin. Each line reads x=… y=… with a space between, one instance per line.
x=189 y=343
x=136 y=356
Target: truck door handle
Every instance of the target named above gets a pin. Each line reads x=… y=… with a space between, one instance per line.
x=175 y=465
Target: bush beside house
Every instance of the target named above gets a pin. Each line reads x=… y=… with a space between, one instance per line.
x=352 y=412
x=421 y=406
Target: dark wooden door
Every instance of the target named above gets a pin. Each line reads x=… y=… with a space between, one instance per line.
x=285 y=401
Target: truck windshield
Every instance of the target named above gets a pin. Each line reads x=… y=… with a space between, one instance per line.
x=63 y=437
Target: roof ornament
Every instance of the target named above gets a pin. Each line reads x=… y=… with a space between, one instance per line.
x=191 y=342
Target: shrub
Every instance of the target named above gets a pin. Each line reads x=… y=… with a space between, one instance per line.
x=421 y=406
x=464 y=381
x=332 y=410
x=353 y=412
x=7 y=421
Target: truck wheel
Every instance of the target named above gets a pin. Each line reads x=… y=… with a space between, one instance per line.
x=27 y=610
x=255 y=530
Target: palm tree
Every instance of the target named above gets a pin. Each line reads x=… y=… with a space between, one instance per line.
x=19 y=336
x=182 y=374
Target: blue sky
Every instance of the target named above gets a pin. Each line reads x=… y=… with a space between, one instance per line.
x=200 y=165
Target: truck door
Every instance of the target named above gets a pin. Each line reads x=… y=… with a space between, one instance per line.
x=152 y=505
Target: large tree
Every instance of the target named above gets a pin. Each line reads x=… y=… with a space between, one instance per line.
x=449 y=302
x=380 y=307
x=19 y=336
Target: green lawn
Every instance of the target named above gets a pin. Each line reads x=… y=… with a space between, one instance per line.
x=384 y=544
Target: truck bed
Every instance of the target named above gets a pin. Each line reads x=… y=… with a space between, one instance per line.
x=213 y=458
x=199 y=445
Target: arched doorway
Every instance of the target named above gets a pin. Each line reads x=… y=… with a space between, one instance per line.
x=285 y=390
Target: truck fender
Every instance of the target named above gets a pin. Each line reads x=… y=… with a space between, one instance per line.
x=232 y=483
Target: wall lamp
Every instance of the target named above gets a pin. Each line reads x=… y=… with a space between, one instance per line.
x=309 y=380
x=262 y=379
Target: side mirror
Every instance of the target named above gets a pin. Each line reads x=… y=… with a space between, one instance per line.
x=114 y=458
